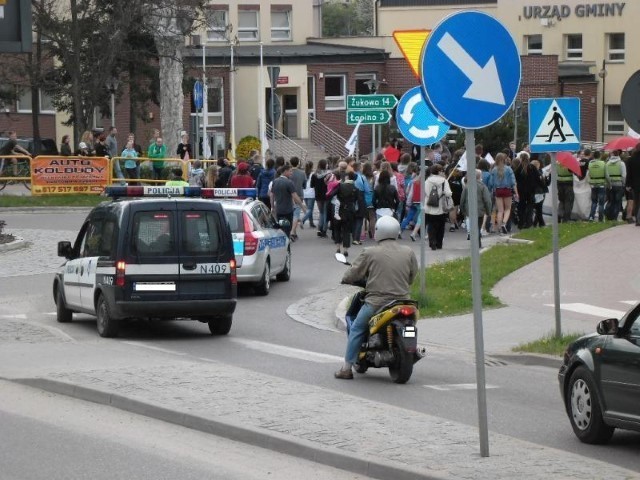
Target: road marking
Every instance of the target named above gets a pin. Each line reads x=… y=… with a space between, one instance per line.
x=288 y=351
x=629 y=302
x=589 y=310
x=151 y=347
x=19 y=316
x=457 y=386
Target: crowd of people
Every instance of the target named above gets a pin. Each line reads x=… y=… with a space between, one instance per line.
x=350 y=194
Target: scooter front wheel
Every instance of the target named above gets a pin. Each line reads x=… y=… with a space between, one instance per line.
x=361 y=367
x=402 y=367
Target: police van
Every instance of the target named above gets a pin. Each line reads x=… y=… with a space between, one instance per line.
x=154 y=252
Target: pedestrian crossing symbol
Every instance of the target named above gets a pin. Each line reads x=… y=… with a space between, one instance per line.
x=554 y=124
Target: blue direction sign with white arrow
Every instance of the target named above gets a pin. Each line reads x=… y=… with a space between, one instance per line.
x=470 y=69
x=554 y=124
x=416 y=121
x=197 y=94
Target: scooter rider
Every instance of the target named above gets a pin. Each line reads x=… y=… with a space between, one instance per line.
x=388 y=270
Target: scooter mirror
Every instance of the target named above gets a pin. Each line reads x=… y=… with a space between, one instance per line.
x=341 y=258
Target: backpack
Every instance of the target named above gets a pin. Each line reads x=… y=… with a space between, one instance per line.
x=434 y=198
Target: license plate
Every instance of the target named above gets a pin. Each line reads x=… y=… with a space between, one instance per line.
x=154 y=287
x=409 y=332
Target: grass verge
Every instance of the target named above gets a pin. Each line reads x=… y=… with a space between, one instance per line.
x=549 y=344
x=51 y=200
x=448 y=284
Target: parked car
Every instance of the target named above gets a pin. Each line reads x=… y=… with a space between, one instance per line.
x=47 y=145
x=600 y=379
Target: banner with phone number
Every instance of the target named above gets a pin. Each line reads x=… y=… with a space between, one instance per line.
x=69 y=175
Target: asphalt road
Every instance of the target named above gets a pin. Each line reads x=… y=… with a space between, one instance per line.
x=523 y=401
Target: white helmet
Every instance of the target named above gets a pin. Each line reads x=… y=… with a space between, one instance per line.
x=387 y=228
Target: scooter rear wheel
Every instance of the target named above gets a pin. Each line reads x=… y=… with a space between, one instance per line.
x=402 y=368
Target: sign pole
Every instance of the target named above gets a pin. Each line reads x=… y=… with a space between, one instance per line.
x=423 y=226
x=556 y=243
x=476 y=290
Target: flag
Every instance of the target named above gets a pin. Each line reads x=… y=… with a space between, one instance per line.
x=489 y=159
x=351 y=143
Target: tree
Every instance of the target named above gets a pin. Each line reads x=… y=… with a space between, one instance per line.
x=347 y=19
x=169 y=21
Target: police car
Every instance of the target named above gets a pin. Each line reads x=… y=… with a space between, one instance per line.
x=154 y=252
x=262 y=248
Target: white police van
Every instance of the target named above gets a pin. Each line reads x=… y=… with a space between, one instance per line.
x=153 y=252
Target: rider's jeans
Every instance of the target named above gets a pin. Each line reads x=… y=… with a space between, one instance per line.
x=358 y=332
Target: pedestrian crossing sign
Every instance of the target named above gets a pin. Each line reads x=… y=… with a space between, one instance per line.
x=554 y=124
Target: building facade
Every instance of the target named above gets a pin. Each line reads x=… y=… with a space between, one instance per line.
x=568 y=49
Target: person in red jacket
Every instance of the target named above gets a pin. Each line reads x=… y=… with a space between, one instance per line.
x=242 y=179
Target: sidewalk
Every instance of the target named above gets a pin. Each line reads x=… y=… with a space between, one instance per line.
x=339 y=430
x=366 y=437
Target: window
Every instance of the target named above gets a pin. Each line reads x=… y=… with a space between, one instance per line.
x=280 y=26
x=533 y=44
x=152 y=233
x=248 y=25
x=615 y=121
x=311 y=96
x=574 y=46
x=25 y=104
x=215 y=103
x=335 y=92
x=99 y=239
x=217 y=21
x=615 y=44
x=200 y=234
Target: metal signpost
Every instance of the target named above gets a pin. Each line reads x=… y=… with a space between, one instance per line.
x=421 y=126
x=554 y=126
x=471 y=74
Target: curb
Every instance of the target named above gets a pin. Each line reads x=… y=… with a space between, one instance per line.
x=275 y=441
x=529 y=359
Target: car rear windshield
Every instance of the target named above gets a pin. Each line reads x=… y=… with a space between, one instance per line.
x=153 y=233
x=201 y=233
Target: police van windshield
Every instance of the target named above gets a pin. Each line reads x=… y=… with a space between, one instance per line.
x=153 y=233
x=201 y=233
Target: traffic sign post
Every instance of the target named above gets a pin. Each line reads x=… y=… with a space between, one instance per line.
x=471 y=74
x=554 y=126
x=416 y=121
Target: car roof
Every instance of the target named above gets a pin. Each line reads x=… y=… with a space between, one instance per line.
x=237 y=203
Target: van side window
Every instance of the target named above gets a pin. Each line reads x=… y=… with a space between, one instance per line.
x=153 y=233
x=98 y=239
x=201 y=233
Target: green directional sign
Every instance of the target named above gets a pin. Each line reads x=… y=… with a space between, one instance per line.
x=368 y=117
x=371 y=102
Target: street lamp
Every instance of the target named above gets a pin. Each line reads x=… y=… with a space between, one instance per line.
x=232 y=76
x=112 y=87
x=603 y=75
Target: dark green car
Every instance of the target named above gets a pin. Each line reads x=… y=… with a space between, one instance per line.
x=600 y=379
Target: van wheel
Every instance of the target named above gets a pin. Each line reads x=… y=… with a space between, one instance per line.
x=63 y=314
x=285 y=274
x=264 y=285
x=107 y=326
x=221 y=325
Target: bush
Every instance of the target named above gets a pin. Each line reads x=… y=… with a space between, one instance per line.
x=245 y=145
